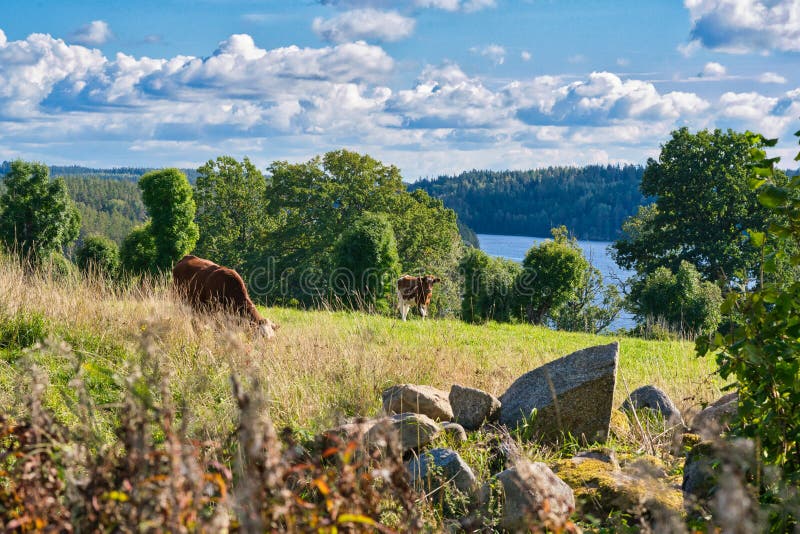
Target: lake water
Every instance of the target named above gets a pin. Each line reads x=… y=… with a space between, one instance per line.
x=514 y=248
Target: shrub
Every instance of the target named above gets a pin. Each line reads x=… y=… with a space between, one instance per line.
x=366 y=263
x=98 y=254
x=681 y=300
x=551 y=271
x=760 y=351
x=488 y=289
x=138 y=251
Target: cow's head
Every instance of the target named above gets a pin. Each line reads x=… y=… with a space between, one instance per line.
x=428 y=281
x=266 y=328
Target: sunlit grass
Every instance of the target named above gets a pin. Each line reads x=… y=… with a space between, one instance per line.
x=322 y=367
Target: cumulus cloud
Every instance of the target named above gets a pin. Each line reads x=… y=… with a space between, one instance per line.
x=740 y=26
x=771 y=77
x=294 y=102
x=605 y=98
x=95 y=33
x=713 y=70
x=494 y=52
x=367 y=24
x=525 y=55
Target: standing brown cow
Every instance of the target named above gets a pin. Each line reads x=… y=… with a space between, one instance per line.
x=206 y=285
x=415 y=291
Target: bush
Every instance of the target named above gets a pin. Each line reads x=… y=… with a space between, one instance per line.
x=761 y=350
x=366 y=263
x=98 y=254
x=138 y=251
x=680 y=301
x=551 y=272
x=488 y=290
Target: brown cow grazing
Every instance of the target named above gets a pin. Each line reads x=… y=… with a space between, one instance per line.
x=415 y=291
x=206 y=285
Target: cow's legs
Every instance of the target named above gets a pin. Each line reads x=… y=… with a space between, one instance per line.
x=423 y=310
x=401 y=305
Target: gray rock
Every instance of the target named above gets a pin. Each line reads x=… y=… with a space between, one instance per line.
x=456 y=430
x=448 y=467
x=425 y=400
x=654 y=399
x=413 y=430
x=712 y=421
x=525 y=488
x=573 y=395
x=472 y=407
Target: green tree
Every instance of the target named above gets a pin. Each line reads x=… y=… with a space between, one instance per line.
x=138 y=251
x=98 y=254
x=171 y=230
x=231 y=212
x=681 y=301
x=488 y=288
x=313 y=202
x=37 y=217
x=365 y=263
x=760 y=350
x=551 y=273
x=593 y=308
x=703 y=208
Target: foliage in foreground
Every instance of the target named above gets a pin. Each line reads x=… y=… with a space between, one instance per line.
x=760 y=351
x=157 y=478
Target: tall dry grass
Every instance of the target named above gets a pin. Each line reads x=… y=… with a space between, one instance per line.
x=324 y=365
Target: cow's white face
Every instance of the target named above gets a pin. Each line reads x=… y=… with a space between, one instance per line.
x=266 y=329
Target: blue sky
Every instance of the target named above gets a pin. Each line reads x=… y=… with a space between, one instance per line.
x=432 y=86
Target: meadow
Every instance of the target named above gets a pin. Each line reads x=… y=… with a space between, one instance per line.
x=324 y=365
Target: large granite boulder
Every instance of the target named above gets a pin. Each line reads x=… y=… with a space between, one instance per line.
x=412 y=429
x=573 y=395
x=654 y=399
x=530 y=494
x=437 y=467
x=425 y=400
x=472 y=407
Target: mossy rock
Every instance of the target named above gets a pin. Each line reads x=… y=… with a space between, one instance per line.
x=600 y=489
x=620 y=425
x=689 y=440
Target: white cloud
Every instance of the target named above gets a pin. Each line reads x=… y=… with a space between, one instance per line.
x=57 y=99
x=740 y=26
x=576 y=58
x=623 y=62
x=368 y=24
x=95 y=33
x=494 y=52
x=771 y=77
x=525 y=55
x=467 y=6
x=713 y=70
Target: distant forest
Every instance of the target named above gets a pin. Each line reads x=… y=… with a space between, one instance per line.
x=131 y=174
x=590 y=201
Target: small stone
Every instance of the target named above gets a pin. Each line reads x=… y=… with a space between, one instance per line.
x=712 y=421
x=414 y=430
x=425 y=400
x=456 y=430
x=472 y=407
x=652 y=398
x=447 y=465
x=525 y=489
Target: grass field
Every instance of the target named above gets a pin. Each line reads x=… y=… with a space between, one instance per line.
x=322 y=367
